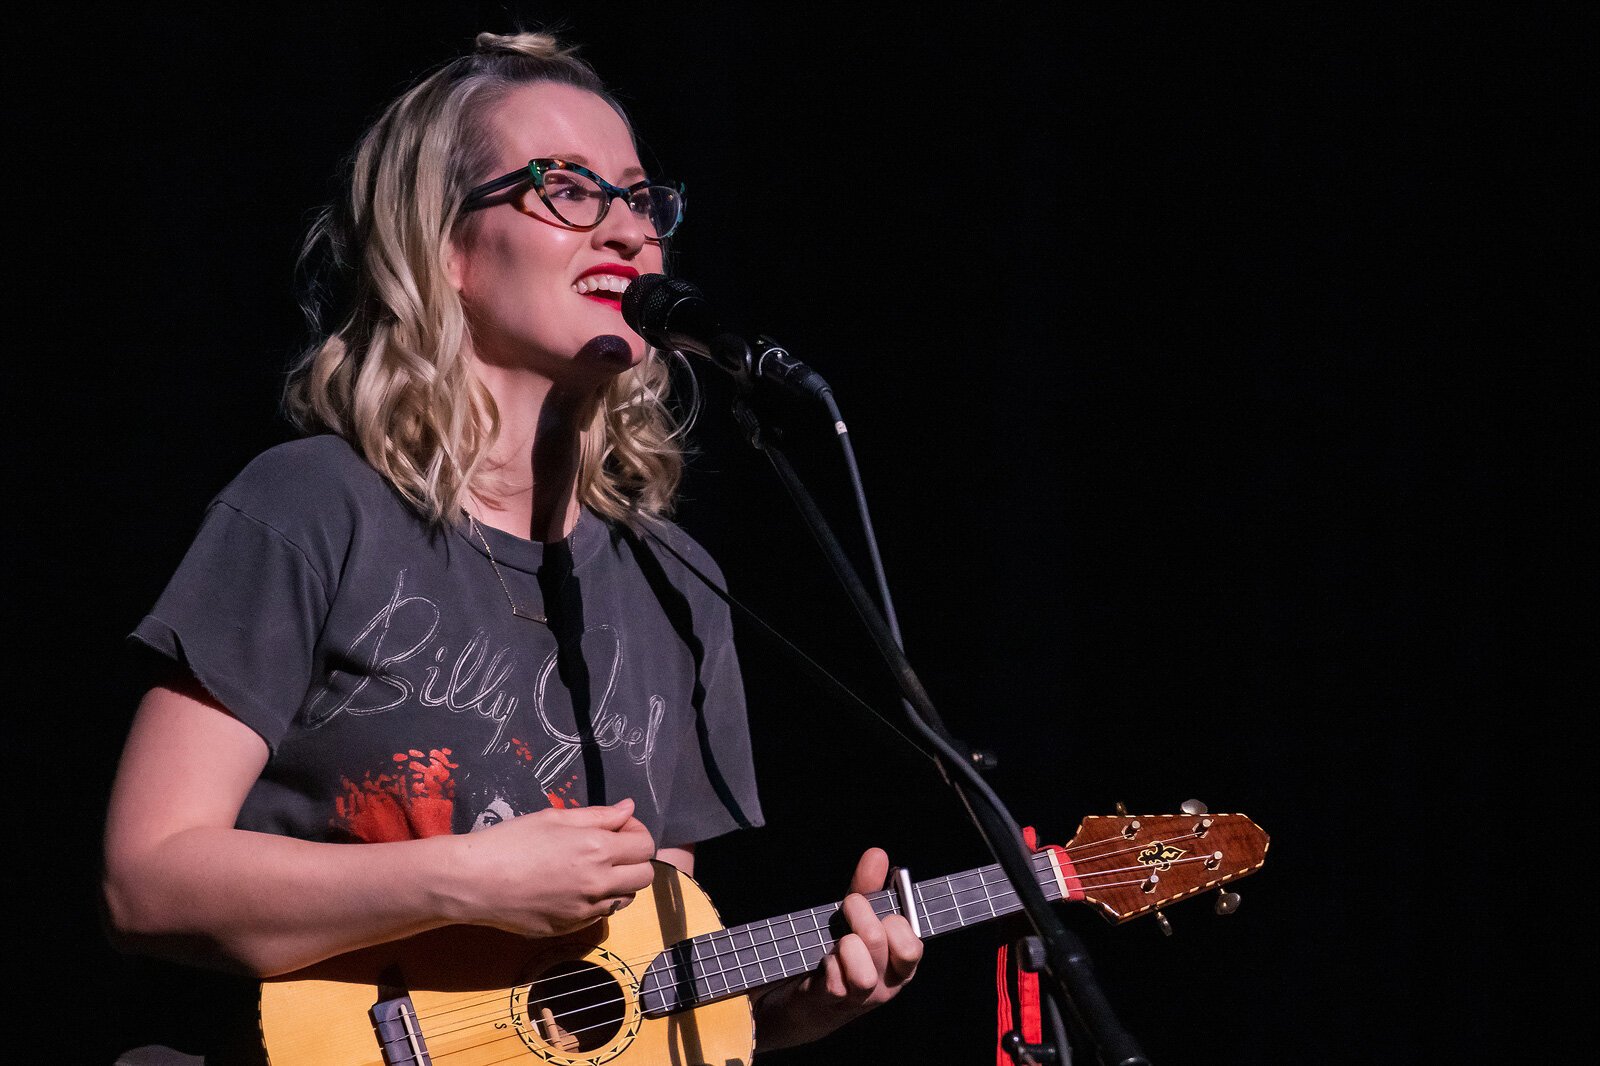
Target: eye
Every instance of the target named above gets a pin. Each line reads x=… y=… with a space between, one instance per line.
x=569 y=188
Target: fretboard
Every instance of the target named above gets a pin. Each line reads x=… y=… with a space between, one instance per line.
x=746 y=957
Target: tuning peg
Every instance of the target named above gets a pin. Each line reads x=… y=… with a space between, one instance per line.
x=1166 y=926
x=1122 y=808
x=1193 y=807
x=1227 y=902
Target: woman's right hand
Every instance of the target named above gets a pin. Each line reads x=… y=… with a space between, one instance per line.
x=550 y=872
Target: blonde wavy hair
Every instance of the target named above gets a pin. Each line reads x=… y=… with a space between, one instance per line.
x=392 y=375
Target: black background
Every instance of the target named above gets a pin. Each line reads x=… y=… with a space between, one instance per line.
x=1199 y=363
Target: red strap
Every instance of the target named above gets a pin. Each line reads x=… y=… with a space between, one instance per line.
x=1031 y=1024
x=1028 y=995
x=1003 y=993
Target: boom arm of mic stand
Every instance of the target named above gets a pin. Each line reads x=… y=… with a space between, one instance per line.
x=1071 y=977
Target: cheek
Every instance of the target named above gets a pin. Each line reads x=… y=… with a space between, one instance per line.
x=501 y=261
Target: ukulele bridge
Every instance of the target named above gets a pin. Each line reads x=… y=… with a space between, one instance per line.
x=394 y=1021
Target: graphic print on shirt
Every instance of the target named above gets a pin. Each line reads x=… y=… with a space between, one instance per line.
x=421 y=794
x=382 y=647
x=405 y=660
x=412 y=797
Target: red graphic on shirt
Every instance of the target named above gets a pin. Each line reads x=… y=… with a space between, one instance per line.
x=424 y=795
x=561 y=795
x=414 y=798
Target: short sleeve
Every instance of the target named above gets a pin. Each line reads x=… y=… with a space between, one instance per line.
x=242 y=615
x=715 y=790
x=718 y=791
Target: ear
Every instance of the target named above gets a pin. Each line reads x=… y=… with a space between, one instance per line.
x=455 y=262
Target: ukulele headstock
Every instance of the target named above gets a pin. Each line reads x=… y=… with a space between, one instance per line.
x=1130 y=865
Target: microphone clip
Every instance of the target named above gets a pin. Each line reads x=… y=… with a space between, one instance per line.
x=765 y=360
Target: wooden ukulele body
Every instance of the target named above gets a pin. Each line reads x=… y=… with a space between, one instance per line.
x=485 y=997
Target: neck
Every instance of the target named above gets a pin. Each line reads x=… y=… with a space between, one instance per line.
x=531 y=483
x=745 y=957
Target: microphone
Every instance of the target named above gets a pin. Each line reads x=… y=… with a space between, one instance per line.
x=671 y=313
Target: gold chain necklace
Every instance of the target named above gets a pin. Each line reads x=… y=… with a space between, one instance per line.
x=518 y=611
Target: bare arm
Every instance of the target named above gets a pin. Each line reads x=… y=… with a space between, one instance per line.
x=180 y=881
x=682 y=858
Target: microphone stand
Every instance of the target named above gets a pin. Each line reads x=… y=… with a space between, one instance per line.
x=1067 y=975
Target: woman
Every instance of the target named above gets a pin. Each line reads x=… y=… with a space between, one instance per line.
x=448 y=611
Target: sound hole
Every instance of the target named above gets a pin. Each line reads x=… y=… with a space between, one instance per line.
x=585 y=1006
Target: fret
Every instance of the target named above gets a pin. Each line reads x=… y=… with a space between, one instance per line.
x=723 y=951
x=824 y=938
x=950 y=906
x=726 y=957
x=953 y=902
x=732 y=961
x=794 y=938
x=742 y=951
x=973 y=900
x=961 y=886
x=741 y=942
x=768 y=949
x=813 y=942
x=933 y=916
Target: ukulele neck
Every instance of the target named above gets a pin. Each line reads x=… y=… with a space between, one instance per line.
x=742 y=958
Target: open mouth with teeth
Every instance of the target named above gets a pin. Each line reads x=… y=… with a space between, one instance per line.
x=603 y=288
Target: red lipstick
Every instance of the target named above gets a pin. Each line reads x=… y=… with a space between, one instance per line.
x=612 y=300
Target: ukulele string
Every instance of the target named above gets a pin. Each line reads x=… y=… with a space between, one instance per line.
x=1139 y=847
x=952 y=885
x=617 y=1022
x=949 y=884
x=1118 y=838
x=719 y=942
x=1005 y=897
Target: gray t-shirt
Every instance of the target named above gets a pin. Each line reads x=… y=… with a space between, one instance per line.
x=401 y=696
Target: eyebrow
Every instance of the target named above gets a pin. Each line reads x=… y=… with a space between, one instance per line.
x=574 y=157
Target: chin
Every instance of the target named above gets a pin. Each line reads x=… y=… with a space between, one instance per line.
x=609 y=353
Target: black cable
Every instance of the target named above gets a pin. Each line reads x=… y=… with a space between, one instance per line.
x=1067 y=961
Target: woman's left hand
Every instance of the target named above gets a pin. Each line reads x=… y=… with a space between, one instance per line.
x=867 y=967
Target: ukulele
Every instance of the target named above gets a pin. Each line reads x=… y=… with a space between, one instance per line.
x=662 y=982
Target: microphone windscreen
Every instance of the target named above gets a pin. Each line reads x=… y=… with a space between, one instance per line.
x=648 y=301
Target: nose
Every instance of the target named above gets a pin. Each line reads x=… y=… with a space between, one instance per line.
x=621 y=230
